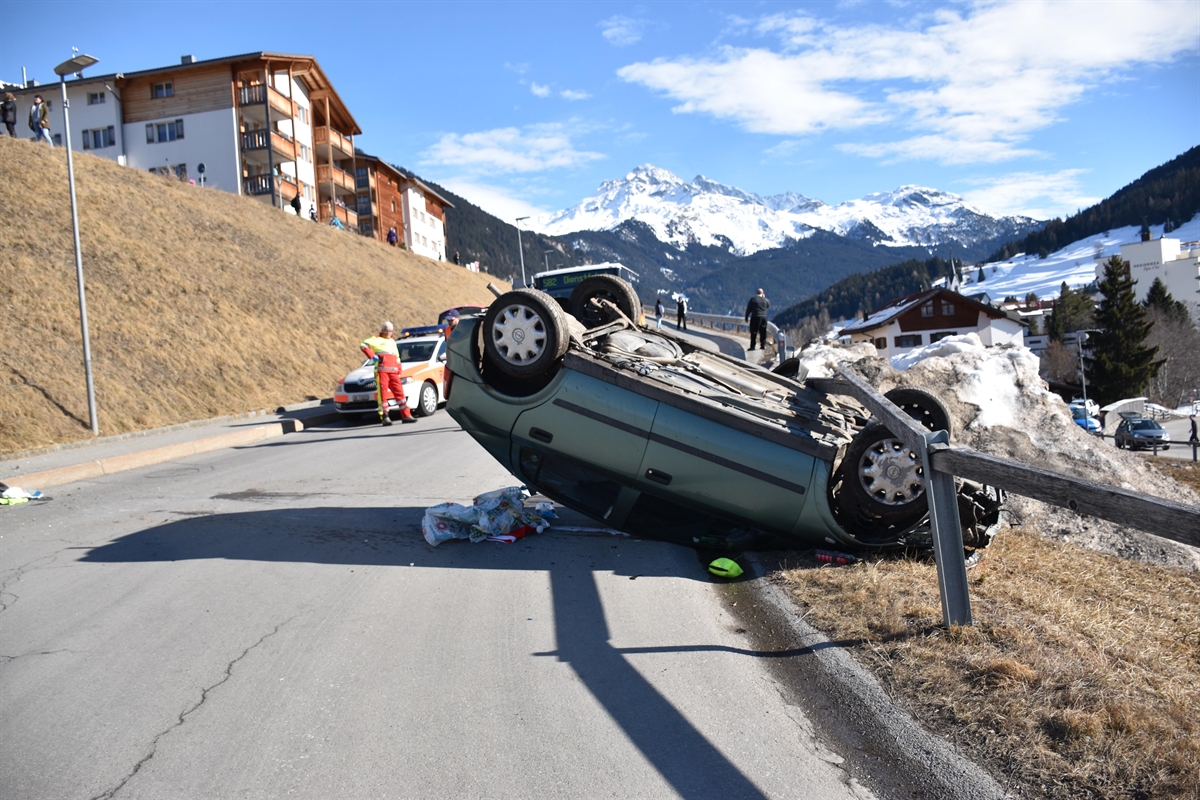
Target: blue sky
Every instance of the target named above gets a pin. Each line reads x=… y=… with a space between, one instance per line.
x=1026 y=107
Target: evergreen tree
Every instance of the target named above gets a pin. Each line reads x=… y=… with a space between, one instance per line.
x=1121 y=364
x=980 y=278
x=1160 y=299
x=1073 y=311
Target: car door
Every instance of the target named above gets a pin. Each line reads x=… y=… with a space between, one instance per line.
x=704 y=463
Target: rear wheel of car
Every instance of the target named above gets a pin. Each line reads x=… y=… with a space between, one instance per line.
x=427 y=403
x=525 y=333
x=883 y=475
x=923 y=407
x=603 y=287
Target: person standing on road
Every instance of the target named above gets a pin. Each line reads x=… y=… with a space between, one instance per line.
x=756 y=315
x=295 y=204
x=39 y=120
x=8 y=112
x=451 y=320
x=659 y=310
x=1192 y=438
x=681 y=313
x=389 y=391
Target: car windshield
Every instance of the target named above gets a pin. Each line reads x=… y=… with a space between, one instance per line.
x=1146 y=425
x=1077 y=412
x=417 y=351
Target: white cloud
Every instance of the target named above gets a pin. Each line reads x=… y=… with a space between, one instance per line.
x=621 y=31
x=569 y=94
x=506 y=150
x=971 y=86
x=539 y=90
x=1041 y=195
x=496 y=201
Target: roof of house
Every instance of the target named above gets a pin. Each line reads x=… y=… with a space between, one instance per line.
x=885 y=314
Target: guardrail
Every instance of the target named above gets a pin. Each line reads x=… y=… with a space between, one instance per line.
x=1167 y=519
x=782 y=341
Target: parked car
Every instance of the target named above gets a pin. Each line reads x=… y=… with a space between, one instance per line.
x=650 y=435
x=422 y=373
x=1084 y=420
x=1135 y=431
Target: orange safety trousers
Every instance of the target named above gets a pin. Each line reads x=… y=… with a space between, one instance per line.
x=389 y=391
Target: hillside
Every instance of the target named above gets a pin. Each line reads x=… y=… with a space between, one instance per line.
x=200 y=303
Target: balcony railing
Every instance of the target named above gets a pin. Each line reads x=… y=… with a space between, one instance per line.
x=281 y=144
x=330 y=210
x=338 y=177
x=257 y=94
x=326 y=135
x=258 y=185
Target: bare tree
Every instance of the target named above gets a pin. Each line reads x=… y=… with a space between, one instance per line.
x=1179 y=343
x=1060 y=363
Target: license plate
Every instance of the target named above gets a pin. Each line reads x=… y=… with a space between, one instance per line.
x=361 y=398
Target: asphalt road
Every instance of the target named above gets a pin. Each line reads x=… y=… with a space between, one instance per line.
x=267 y=621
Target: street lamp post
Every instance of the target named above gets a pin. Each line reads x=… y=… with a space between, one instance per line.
x=76 y=65
x=521 y=250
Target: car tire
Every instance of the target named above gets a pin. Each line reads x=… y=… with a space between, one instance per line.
x=923 y=407
x=525 y=333
x=607 y=287
x=427 y=401
x=882 y=475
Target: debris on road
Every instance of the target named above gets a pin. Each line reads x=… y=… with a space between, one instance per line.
x=498 y=516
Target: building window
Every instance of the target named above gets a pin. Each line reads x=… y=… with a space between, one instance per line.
x=97 y=138
x=163 y=90
x=927 y=310
x=304 y=153
x=302 y=113
x=364 y=204
x=881 y=343
x=164 y=131
x=909 y=340
x=947 y=308
x=393 y=206
x=365 y=229
x=937 y=337
x=95 y=98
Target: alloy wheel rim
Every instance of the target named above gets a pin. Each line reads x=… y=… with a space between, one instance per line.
x=519 y=334
x=891 y=473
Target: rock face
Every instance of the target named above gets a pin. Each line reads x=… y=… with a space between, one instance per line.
x=1001 y=406
x=706 y=212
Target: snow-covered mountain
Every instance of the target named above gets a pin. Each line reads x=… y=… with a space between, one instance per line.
x=710 y=213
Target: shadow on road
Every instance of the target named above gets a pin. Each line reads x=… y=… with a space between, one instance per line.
x=391 y=537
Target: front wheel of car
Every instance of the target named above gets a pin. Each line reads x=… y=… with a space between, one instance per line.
x=525 y=333
x=427 y=403
x=882 y=474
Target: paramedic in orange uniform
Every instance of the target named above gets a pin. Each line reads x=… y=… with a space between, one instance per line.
x=389 y=392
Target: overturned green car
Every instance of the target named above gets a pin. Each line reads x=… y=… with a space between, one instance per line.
x=652 y=436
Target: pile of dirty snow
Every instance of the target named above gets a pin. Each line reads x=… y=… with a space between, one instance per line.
x=1001 y=406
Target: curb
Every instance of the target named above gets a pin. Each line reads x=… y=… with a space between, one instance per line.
x=918 y=757
x=157 y=455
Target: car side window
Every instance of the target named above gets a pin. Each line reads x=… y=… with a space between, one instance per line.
x=569 y=483
x=441 y=353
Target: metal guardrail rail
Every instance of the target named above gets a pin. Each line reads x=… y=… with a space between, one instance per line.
x=942 y=461
x=782 y=341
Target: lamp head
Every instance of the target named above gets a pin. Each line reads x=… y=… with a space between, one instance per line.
x=75 y=65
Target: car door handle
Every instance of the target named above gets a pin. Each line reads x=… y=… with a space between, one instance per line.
x=658 y=476
x=541 y=435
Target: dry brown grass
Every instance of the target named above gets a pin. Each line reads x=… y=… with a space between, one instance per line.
x=1185 y=472
x=1080 y=678
x=200 y=303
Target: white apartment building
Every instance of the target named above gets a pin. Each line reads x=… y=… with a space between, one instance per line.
x=268 y=125
x=1176 y=264
x=424 y=220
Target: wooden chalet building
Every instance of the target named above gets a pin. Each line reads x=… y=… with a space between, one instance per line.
x=391 y=198
x=929 y=316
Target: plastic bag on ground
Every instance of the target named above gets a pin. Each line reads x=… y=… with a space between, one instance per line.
x=499 y=515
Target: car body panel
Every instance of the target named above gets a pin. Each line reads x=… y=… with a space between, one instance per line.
x=1136 y=432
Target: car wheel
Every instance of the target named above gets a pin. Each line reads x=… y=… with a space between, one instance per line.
x=605 y=287
x=427 y=403
x=923 y=407
x=883 y=475
x=525 y=333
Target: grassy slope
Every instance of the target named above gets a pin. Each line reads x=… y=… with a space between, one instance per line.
x=200 y=303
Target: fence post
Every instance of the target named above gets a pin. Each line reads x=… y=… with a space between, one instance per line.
x=946 y=529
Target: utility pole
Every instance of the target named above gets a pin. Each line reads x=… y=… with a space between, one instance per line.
x=521 y=250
